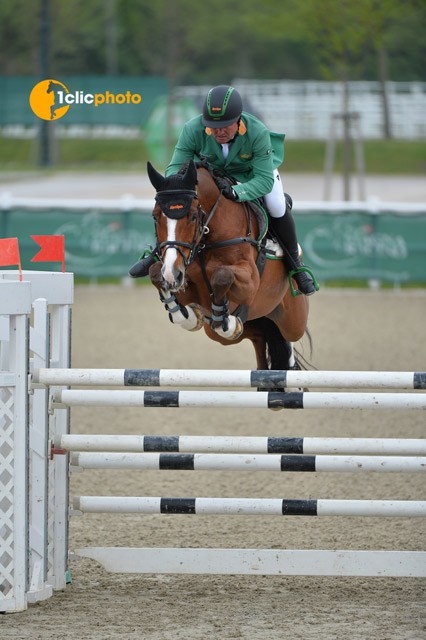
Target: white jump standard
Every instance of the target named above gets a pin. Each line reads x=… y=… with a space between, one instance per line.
x=35 y=347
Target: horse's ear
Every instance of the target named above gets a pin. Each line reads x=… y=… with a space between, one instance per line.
x=190 y=176
x=156 y=179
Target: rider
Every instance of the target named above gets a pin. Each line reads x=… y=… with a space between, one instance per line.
x=239 y=145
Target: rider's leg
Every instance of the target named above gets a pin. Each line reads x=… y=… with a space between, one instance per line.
x=279 y=207
x=141 y=268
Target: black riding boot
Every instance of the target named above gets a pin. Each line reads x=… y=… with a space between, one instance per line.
x=285 y=230
x=141 y=268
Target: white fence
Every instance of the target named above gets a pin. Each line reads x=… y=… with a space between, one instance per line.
x=35 y=333
x=304 y=109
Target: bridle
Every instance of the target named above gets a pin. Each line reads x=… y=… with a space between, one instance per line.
x=179 y=211
x=176 y=204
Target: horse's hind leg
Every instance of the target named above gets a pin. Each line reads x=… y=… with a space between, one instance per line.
x=291 y=316
x=259 y=343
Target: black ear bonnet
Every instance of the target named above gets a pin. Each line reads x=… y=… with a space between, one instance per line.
x=175 y=193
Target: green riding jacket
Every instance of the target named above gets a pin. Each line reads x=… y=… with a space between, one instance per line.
x=252 y=158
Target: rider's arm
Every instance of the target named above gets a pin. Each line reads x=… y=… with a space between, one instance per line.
x=262 y=169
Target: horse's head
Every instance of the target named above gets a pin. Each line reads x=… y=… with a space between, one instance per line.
x=179 y=222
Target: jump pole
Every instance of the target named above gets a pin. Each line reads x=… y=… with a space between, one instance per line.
x=240 y=444
x=238 y=399
x=249 y=506
x=241 y=462
x=237 y=378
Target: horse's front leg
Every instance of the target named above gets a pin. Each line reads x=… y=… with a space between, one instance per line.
x=227 y=326
x=189 y=317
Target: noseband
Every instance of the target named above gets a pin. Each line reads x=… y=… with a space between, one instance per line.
x=176 y=204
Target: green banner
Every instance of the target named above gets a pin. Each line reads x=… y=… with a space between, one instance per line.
x=15 y=92
x=353 y=246
x=98 y=244
x=341 y=245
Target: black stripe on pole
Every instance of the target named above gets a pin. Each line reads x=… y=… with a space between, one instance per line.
x=142 y=377
x=180 y=461
x=161 y=443
x=298 y=463
x=299 y=508
x=161 y=399
x=177 y=505
x=285 y=400
x=268 y=379
x=419 y=380
x=285 y=445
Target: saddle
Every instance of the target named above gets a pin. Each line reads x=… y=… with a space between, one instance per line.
x=269 y=243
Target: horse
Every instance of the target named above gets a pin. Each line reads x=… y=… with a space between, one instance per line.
x=54 y=87
x=213 y=270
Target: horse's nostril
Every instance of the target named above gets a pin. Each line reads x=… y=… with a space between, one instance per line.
x=173 y=278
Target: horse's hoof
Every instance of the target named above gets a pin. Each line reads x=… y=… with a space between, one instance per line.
x=239 y=328
x=199 y=315
x=235 y=330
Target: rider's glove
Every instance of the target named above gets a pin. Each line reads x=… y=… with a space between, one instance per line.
x=226 y=188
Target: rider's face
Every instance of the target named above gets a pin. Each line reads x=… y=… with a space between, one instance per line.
x=222 y=136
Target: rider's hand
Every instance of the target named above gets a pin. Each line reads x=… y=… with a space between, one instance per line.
x=226 y=188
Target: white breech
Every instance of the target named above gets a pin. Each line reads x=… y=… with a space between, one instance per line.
x=275 y=199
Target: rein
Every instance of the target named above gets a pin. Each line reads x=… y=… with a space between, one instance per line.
x=196 y=247
x=233 y=241
x=176 y=205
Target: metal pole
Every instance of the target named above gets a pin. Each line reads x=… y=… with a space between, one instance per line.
x=111 y=54
x=346 y=143
x=45 y=150
x=359 y=154
x=329 y=157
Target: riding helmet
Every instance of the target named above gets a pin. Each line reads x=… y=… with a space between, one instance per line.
x=222 y=107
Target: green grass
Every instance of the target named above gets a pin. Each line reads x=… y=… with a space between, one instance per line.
x=381 y=156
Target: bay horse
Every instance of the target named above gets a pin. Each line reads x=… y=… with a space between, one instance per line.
x=208 y=273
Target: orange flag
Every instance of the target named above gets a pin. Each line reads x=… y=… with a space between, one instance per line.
x=52 y=249
x=9 y=254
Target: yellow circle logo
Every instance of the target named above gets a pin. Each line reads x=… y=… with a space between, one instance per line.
x=47 y=99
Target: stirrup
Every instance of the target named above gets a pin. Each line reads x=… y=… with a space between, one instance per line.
x=294 y=272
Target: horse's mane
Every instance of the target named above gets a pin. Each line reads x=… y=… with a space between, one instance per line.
x=200 y=164
x=203 y=164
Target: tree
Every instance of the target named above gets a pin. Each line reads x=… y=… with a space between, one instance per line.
x=18 y=37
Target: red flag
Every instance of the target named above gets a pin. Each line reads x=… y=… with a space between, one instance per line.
x=9 y=254
x=52 y=249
